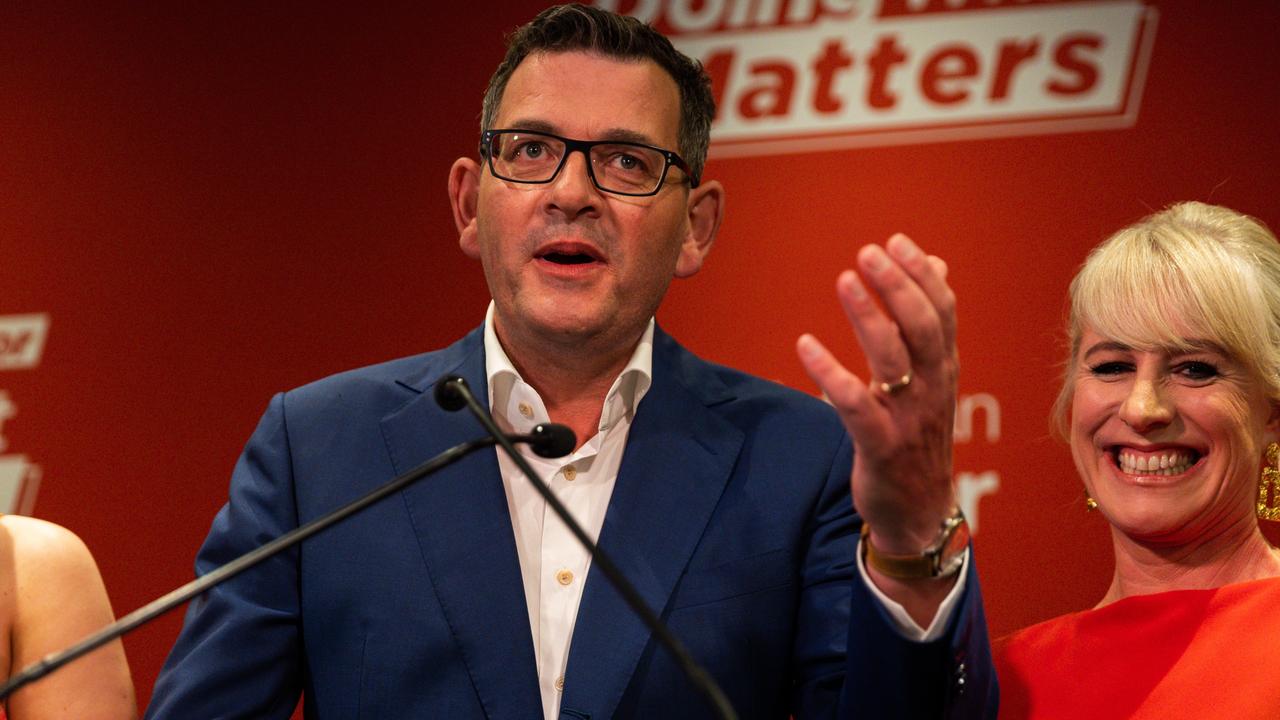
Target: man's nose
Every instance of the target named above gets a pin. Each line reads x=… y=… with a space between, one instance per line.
x=572 y=191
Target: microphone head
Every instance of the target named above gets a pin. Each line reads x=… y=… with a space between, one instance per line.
x=552 y=440
x=449 y=393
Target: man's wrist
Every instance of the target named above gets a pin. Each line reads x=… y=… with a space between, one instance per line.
x=941 y=557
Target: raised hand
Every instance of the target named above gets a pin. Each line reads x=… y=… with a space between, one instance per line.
x=903 y=313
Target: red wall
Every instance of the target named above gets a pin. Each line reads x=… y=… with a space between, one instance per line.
x=214 y=203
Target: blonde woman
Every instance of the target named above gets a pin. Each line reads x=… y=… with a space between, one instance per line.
x=51 y=596
x=1170 y=403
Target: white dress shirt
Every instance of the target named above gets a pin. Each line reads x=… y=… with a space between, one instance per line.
x=552 y=564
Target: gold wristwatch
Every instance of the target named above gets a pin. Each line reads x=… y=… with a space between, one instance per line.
x=941 y=559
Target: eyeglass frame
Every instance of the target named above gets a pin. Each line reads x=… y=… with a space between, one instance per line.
x=584 y=146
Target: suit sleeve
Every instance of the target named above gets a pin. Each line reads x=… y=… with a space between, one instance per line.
x=238 y=654
x=852 y=660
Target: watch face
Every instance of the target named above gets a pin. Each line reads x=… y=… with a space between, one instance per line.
x=954 y=544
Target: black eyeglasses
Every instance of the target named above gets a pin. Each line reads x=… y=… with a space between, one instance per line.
x=622 y=168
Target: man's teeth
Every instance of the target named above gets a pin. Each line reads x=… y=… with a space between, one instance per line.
x=1170 y=462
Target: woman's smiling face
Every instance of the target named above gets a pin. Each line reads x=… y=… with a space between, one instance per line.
x=1168 y=441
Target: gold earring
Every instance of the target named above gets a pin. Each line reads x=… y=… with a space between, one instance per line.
x=1269 y=502
x=1089 y=503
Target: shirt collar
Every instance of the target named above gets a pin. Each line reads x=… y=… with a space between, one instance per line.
x=505 y=384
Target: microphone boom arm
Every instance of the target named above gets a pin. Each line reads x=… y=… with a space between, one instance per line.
x=448 y=394
x=165 y=603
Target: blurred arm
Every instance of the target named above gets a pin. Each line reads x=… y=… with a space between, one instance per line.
x=59 y=599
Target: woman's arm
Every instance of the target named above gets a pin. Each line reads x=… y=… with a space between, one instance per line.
x=58 y=599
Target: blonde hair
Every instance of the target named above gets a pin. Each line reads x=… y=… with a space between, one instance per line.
x=1190 y=273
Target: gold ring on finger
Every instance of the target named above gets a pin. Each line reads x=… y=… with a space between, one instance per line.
x=893 y=388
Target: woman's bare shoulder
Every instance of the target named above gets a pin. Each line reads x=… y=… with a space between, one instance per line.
x=39 y=549
x=56 y=597
x=36 y=531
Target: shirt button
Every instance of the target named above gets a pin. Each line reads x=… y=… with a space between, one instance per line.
x=526 y=410
x=564 y=577
x=560 y=684
x=570 y=472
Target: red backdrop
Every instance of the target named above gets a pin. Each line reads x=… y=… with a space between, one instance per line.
x=212 y=203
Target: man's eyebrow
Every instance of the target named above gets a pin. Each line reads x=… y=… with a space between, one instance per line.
x=541 y=126
x=612 y=134
x=625 y=135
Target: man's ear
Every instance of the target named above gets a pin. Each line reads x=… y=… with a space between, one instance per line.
x=464 y=189
x=706 y=209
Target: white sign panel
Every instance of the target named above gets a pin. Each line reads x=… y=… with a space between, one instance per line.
x=818 y=74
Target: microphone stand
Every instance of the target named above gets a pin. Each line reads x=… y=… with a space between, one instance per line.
x=164 y=604
x=452 y=393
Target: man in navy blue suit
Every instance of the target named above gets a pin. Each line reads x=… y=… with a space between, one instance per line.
x=727 y=500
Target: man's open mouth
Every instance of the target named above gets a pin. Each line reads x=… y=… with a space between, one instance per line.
x=568 y=258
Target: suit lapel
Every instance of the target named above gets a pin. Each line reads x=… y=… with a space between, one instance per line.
x=678 y=459
x=463 y=526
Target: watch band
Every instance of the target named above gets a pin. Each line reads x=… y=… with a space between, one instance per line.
x=942 y=558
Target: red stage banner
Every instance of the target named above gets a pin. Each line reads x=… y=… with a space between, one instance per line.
x=202 y=205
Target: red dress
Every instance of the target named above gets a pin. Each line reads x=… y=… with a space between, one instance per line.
x=1180 y=654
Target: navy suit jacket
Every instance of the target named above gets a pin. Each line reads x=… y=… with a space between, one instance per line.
x=731 y=514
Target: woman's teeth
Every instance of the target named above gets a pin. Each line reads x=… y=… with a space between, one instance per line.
x=1169 y=462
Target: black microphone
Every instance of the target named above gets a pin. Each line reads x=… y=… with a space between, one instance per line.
x=448 y=396
x=452 y=393
x=548 y=440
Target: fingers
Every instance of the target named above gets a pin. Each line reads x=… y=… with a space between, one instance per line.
x=846 y=391
x=903 y=335
x=842 y=387
x=930 y=274
x=917 y=301
x=939 y=266
x=887 y=355
x=903 y=314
